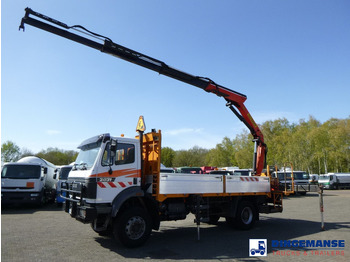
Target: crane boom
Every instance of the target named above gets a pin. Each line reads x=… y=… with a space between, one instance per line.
x=235 y=100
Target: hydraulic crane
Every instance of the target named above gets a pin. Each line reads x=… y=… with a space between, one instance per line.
x=234 y=100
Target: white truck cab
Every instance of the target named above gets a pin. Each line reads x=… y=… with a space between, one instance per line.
x=105 y=173
x=29 y=180
x=335 y=180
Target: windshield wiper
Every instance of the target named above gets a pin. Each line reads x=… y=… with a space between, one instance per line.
x=83 y=166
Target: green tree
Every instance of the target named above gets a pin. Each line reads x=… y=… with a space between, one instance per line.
x=339 y=134
x=244 y=149
x=196 y=156
x=58 y=156
x=182 y=158
x=26 y=152
x=10 y=152
x=222 y=155
x=167 y=156
x=277 y=134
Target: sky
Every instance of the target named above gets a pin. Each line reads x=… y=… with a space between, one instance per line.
x=290 y=58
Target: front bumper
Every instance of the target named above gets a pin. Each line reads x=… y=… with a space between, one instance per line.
x=8 y=198
x=301 y=188
x=75 y=193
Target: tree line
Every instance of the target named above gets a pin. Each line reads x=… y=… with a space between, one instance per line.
x=308 y=145
x=10 y=152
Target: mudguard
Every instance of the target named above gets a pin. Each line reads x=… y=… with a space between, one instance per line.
x=123 y=196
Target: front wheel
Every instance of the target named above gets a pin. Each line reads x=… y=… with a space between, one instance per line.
x=133 y=227
x=42 y=199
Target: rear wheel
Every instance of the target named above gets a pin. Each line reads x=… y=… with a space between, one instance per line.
x=133 y=227
x=246 y=215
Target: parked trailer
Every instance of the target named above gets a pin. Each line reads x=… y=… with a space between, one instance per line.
x=29 y=180
x=335 y=180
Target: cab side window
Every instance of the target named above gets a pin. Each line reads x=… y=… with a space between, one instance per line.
x=125 y=154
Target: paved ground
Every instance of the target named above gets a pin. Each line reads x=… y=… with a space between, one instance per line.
x=49 y=234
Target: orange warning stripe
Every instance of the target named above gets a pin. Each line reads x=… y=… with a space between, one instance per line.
x=130 y=172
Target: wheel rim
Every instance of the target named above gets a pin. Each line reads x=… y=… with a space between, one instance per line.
x=247 y=215
x=135 y=228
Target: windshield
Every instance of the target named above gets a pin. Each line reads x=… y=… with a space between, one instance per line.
x=283 y=175
x=87 y=156
x=167 y=171
x=221 y=172
x=241 y=172
x=301 y=176
x=189 y=170
x=297 y=175
x=64 y=172
x=21 y=171
x=323 y=179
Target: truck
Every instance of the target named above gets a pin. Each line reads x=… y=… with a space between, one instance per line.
x=313 y=180
x=30 y=180
x=189 y=170
x=164 y=169
x=334 y=180
x=116 y=184
x=242 y=172
x=293 y=181
x=61 y=174
x=207 y=169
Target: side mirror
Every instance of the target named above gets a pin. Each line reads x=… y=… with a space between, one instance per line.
x=112 y=150
x=45 y=170
x=113 y=145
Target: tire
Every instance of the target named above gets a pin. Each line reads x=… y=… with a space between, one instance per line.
x=133 y=227
x=246 y=215
x=42 y=199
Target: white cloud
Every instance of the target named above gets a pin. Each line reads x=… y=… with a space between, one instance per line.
x=176 y=132
x=53 y=132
